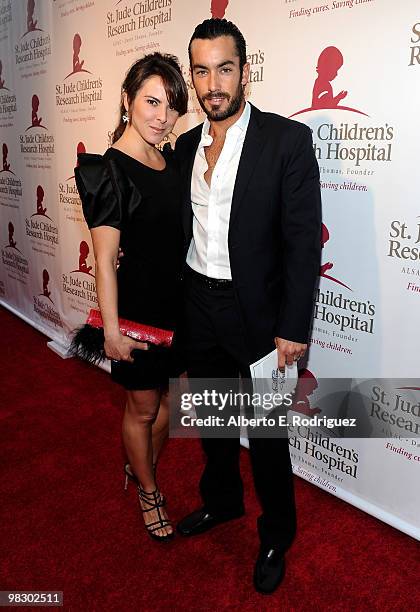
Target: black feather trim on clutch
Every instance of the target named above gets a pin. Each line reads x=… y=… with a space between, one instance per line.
x=88 y=340
x=88 y=344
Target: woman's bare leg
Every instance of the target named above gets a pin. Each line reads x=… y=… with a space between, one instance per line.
x=160 y=427
x=140 y=415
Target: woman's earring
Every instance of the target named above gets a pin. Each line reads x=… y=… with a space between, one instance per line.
x=125 y=118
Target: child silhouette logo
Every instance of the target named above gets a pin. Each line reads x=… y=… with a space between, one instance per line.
x=325 y=236
x=306 y=386
x=329 y=63
x=77 y=64
x=45 y=280
x=6 y=165
x=218 y=8
x=30 y=22
x=12 y=243
x=83 y=255
x=1 y=79
x=40 y=209
x=36 y=121
x=80 y=149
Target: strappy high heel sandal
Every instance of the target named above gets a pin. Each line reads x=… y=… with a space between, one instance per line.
x=154 y=501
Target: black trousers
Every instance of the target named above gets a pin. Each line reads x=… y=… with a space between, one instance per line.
x=216 y=348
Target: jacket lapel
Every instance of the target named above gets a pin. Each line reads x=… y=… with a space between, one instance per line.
x=251 y=150
x=187 y=215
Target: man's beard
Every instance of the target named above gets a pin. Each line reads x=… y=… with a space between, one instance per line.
x=232 y=108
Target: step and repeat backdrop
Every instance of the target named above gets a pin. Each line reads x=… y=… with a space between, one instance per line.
x=350 y=70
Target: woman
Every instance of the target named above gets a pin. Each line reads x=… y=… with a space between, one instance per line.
x=131 y=199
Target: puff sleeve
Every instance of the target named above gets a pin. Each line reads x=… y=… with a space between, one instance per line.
x=101 y=198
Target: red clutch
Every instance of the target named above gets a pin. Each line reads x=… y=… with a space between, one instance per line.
x=138 y=331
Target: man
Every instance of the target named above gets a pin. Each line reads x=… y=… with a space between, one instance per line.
x=252 y=225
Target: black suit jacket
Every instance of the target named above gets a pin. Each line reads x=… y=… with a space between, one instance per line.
x=274 y=235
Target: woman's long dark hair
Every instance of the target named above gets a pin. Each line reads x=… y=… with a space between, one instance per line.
x=154 y=64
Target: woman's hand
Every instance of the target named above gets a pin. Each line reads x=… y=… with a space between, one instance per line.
x=119 y=347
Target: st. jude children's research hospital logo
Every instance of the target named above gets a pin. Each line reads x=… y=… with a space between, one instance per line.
x=44 y=304
x=316 y=448
x=336 y=305
x=77 y=88
x=80 y=282
x=141 y=15
x=9 y=186
x=36 y=138
x=77 y=63
x=12 y=256
x=34 y=44
x=330 y=140
x=8 y=105
x=404 y=249
x=68 y=196
x=326 y=267
x=40 y=226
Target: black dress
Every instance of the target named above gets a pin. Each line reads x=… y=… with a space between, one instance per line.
x=144 y=204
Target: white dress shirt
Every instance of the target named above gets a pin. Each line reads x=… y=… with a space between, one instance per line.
x=208 y=252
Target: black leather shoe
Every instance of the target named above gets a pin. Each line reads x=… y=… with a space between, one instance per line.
x=202 y=520
x=269 y=570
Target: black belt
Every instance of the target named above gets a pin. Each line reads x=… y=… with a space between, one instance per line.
x=210 y=283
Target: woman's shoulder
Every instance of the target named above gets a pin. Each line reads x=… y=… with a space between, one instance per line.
x=112 y=153
x=96 y=173
x=120 y=163
x=104 y=183
x=100 y=167
x=89 y=159
x=92 y=159
x=91 y=169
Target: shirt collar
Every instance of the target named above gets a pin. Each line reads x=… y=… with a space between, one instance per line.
x=241 y=124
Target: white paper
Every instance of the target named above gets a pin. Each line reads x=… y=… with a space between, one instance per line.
x=268 y=379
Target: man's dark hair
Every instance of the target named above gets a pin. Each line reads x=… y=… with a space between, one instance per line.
x=213 y=28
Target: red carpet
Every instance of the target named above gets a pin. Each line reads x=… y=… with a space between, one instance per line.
x=66 y=523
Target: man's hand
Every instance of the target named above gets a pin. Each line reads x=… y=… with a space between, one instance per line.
x=288 y=351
